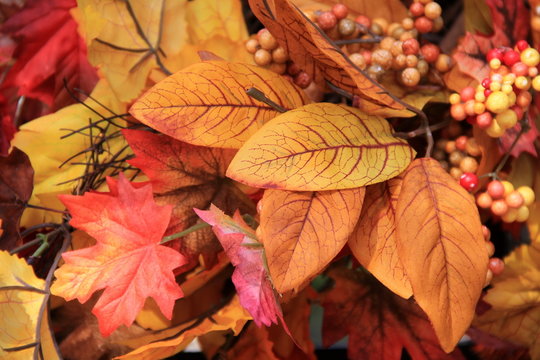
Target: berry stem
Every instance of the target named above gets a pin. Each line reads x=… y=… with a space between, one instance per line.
x=421 y=130
x=374 y=40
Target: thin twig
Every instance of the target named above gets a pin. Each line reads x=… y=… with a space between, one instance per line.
x=373 y=40
x=44 y=208
x=260 y=96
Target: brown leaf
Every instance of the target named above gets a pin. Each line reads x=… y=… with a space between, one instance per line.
x=312 y=51
x=16 y=183
x=441 y=245
x=374 y=241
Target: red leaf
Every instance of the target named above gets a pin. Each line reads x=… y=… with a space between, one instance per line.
x=526 y=141
x=49 y=50
x=250 y=276
x=127 y=261
x=7 y=131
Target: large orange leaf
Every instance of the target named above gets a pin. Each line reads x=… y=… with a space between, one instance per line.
x=321 y=147
x=441 y=245
x=391 y=10
x=314 y=53
x=380 y=324
x=207 y=104
x=374 y=241
x=127 y=260
x=303 y=231
x=186 y=177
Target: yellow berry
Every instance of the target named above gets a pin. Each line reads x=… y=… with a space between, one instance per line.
x=497 y=102
x=454 y=98
x=507 y=88
x=508 y=187
x=509 y=78
x=495 y=86
x=480 y=88
x=495 y=63
x=480 y=96
x=479 y=108
x=512 y=99
x=533 y=71
x=510 y=216
x=494 y=130
x=528 y=195
x=530 y=57
x=507 y=119
x=522 y=83
x=536 y=83
x=522 y=213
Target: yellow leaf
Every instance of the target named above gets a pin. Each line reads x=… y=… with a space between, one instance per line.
x=22 y=296
x=206 y=103
x=442 y=248
x=321 y=147
x=41 y=140
x=171 y=341
x=303 y=231
x=374 y=242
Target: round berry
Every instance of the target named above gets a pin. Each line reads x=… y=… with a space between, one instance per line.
x=511 y=57
x=363 y=20
x=430 y=52
x=484 y=201
x=522 y=82
x=522 y=45
x=533 y=71
x=467 y=93
x=494 y=64
x=490 y=248
x=412 y=60
x=469 y=181
x=410 y=76
x=461 y=142
x=454 y=98
x=450 y=146
x=495 y=130
x=346 y=27
x=507 y=119
x=382 y=57
x=438 y=24
x=520 y=69
x=443 y=63
x=536 y=83
x=293 y=69
x=278 y=68
x=400 y=62
x=279 y=55
x=496 y=265
x=499 y=207
x=486 y=233
x=489 y=277
x=358 y=60
x=508 y=187
x=432 y=10
x=494 y=54
x=382 y=22
x=456 y=173
x=397 y=48
x=262 y=57
x=410 y=47
x=468 y=165
x=497 y=102
x=407 y=23
x=484 y=120
x=302 y=79
x=416 y=9
x=327 y=20
x=267 y=40
x=528 y=195
x=495 y=189
x=252 y=45
x=514 y=199
x=530 y=57
x=523 y=214
x=340 y=11
x=457 y=111
x=423 y=24
x=510 y=216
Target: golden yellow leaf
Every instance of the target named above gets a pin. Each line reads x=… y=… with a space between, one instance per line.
x=22 y=296
x=321 y=147
x=374 y=241
x=303 y=231
x=41 y=140
x=207 y=104
x=442 y=248
x=171 y=341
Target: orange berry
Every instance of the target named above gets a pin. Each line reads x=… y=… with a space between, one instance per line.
x=450 y=146
x=510 y=216
x=468 y=164
x=432 y=10
x=495 y=189
x=455 y=157
x=485 y=231
x=461 y=142
x=262 y=57
x=410 y=76
x=430 y=52
x=457 y=111
x=514 y=199
x=472 y=147
x=499 y=207
x=443 y=63
x=507 y=119
x=497 y=102
x=423 y=24
x=454 y=98
x=484 y=201
x=456 y=173
x=489 y=277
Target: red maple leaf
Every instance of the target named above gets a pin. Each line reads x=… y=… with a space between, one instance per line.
x=49 y=51
x=250 y=276
x=127 y=261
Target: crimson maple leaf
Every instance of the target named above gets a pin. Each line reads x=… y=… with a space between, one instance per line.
x=250 y=276
x=128 y=260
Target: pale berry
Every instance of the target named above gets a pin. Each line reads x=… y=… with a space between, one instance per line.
x=495 y=130
x=510 y=215
x=412 y=60
x=468 y=165
x=252 y=45
x=432 y=10
x=382 y=57
x=495 y=189
x=479 y=107
x=508 y=187
x=358 y=60
x=407 y=23
x=410 y=76
x=346 y=27
x=489 y=277
x=262 y=57
x=496 y=265
x=494 y=64
x=423 y=67
x=528 y=194
x=523 y=213
x=278 y=68
x=456 y=172
x=507 y=119
x=522 y=83
x=267 y=40
x=499 y=207
x=472 y=147
x=536 y=83
x=469 y=181
x=443 y=63
x=484 y=201
x=454 y=98
x=279 y=55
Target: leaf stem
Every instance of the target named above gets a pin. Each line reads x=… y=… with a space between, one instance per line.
x=260 y=96
x=183 y=233
x=44 y=208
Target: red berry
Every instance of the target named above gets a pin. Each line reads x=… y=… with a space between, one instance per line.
x=511 y=57
x=485 y=231
x=430 y=52
x=410 y=46
x=494 y=54
x=423 y=24
x=341 y=11
x=495 y=189
x=469 y=181
x=486 y=82
x=496 y=265
x=520 y=69
x=484 y=120
x=327 y=20
x=487 y=92
x=522 y=45
x=363 y=20
x=467 y=93
x=302 y=79
x=416 y=9
x=461 y=142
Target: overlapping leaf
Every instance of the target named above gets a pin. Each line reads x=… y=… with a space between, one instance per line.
x=374 y=242
x=25 y=329
x=16 y=183
x=127 y=260
x=380 y=325
x=312 y=51
x=207 y=104
x=321 y=147
x=303 y=231
x=187 y=177
x=441 y=246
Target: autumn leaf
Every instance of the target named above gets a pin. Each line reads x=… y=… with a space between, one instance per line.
x=380 y=325
x=171 y=341
x=49 y=51
x=303 y=231
x=250 y=276
x=41 y=139
x=525 y=143
x=441 y=246
x=25 y=328
x=477 y=17
x=16 y=180
x=312 y=51
x=187 y=177
x=374 y=242
x=253 y=344
x=127 y=260
x=207 y=104
x=7 y=131
x=321 y=147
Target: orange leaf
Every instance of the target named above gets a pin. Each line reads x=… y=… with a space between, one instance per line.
x=127 y=260
x=206 y=104
x=253 y=344
x=374 y=242
x=321 y=147
x=316 y=54
x=441 y=245
x=303 y=231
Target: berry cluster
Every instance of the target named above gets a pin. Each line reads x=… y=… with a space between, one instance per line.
x=460 y=158
x=496 y=265
x=501 y=99
x=503 y=200
x=426 y=15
